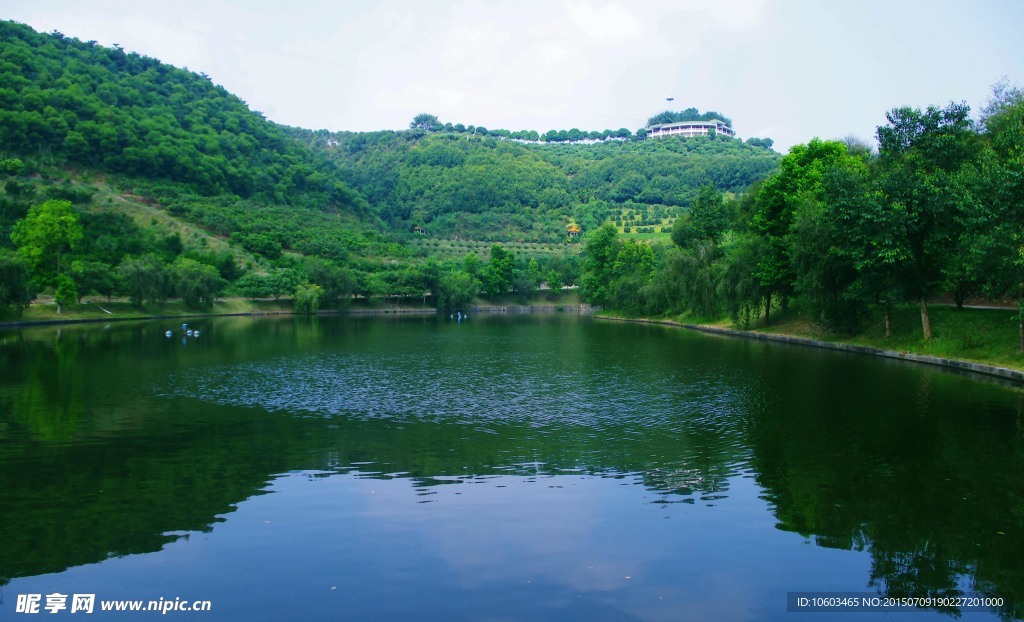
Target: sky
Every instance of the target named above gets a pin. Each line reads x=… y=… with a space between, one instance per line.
x=789 y=70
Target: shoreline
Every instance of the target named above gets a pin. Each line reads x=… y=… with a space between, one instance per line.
x=1014 y=376
x=575 y=308
x=1008 y=374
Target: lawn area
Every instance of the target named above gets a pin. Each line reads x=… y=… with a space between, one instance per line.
x=44 y=310
x=982 y=335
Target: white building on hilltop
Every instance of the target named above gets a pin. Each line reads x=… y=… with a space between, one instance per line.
x=689 y=129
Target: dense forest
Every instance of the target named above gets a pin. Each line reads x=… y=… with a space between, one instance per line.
x=458 y=185
x=844 y=231
x=125 y=176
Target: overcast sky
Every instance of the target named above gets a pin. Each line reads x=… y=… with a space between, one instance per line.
x=789 y=70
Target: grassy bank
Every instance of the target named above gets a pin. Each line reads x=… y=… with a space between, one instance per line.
x=45 y=310
x=987 y=336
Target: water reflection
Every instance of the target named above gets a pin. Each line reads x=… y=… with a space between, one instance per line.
x=575 y=453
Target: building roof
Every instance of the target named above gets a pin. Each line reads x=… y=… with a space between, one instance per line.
x=711 y=123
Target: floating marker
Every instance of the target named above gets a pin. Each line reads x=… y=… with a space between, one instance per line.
x=168 y=334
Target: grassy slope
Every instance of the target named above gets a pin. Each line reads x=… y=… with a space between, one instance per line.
x=986 y=336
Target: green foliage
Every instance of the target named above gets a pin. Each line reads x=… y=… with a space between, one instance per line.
x=690 y=114
x=197 y=284
x=336 y=282
x=455 y=290
x=15 y=287
x=554 y=280
x=145 y=280
x=498 y=276
x=707 y=219
x=798 y=181
x=65 y=293
x=496 y=189
x=48 y=231
x=922 y=156
x=307 y=298
x=424 y=121
x=12 y=166
x=85 y=104
x=598 y=266
x=841 y=230
x=93 y=276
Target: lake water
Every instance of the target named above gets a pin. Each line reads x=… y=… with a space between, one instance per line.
x=499 y=468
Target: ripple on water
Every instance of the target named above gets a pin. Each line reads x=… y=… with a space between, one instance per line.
x=471 y=393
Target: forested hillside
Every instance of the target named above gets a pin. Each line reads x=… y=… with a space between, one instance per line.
x=845 y=233
x=458 y=184
x=64 y=100
x=122 y=175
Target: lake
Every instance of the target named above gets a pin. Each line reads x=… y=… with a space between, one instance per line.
x=498 y=468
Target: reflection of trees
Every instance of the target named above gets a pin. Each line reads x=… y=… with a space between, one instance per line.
x=80 y=483
x=49 y=401
x=93 y=464
x=925 y=478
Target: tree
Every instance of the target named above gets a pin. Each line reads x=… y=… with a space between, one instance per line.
x=44 y=235
x=336 y=281
x=829 y=239
x=145 y=280
x=998 y=191
x=93 y=276
x=501 y=268
x=798 y=180
x=198 y=284
x=307 y=298
x=598 y=265
x=921 y=154
x=707 y=219
x=554 y=281
x=424 y=121
x=65 y=292
x=15 y=288
x=455 y=290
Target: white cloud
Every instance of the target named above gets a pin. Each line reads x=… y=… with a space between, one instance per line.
x=607 y=24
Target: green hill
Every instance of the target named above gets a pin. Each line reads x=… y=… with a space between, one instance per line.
x=460 y=185
x=166 y=174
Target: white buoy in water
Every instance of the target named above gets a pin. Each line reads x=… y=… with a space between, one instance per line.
x=195 y=333
x=184 y=327
x=189 y=332
x=168 y=334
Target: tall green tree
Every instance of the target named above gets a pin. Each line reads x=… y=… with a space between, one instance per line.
x=500 y=271
x=455 y=290
x=198 y=284
x=998 y=182
x=799 y=180
x=145 y=280
x=921 y=154
x=596 y=281
x=424 y=121
x=706 y=219
x=832 y=242
x=15 y=286
x=48 y=232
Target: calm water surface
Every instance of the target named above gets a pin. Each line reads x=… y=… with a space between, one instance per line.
x=501 y=468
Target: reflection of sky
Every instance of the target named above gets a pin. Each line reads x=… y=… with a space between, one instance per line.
x=488 y=548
